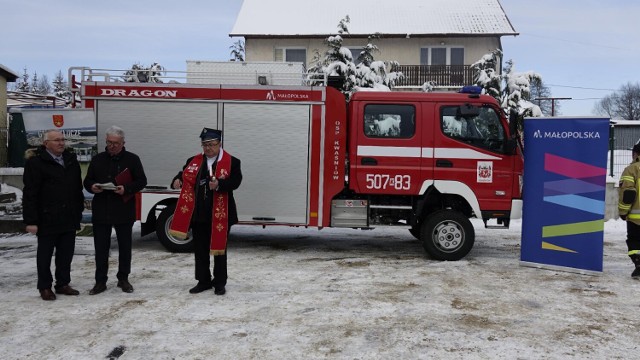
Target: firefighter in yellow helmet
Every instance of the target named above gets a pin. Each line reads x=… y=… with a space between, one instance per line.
x=629 y=207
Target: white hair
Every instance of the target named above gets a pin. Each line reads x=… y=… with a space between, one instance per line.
x=115 y=131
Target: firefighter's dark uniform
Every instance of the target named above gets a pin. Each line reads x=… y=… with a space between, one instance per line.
x=629 y=207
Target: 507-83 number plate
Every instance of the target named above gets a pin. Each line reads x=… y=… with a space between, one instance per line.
x=385 y=181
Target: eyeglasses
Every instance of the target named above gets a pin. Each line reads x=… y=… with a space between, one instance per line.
x=57 y=140
x=210 y=144
x=113 y=143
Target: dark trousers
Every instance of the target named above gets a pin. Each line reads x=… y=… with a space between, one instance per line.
x=102 y=243
x=633 y=236
x=201 y=249
x=64 y=245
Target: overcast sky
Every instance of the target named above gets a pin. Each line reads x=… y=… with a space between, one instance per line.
x=584 y=49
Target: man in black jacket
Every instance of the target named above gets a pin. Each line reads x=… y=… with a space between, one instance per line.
x=52 y=204
x=215 y=174
x=114 y=207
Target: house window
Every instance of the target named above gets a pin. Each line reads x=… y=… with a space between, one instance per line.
x=438 y=56
x=355 y=53
x=291 y=55
x=442 y=56
x=457 y=56
x=389 y=121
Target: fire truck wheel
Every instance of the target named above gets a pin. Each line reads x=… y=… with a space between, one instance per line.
x=169 y=241
x=447 y=235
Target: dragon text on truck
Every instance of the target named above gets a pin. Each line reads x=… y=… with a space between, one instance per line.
x=425 y=161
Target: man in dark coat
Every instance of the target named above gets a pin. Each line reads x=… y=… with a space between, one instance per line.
x=209 y=184
x=114 y=207
x=52 y=204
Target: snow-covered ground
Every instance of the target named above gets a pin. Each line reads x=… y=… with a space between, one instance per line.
x=296 y=293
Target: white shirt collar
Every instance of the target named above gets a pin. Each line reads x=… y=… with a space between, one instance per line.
x=215 y=157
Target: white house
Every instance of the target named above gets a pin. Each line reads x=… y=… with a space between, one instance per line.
x=433 y=40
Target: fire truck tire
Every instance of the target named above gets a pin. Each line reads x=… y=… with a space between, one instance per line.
x=169 y=241
x=447 y=235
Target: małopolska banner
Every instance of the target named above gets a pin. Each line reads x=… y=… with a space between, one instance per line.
x=565 y=167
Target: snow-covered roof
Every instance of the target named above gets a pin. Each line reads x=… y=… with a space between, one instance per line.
x=8 y=74
x=399 y=17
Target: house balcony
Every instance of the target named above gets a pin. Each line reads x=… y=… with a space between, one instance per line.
x=443 y=76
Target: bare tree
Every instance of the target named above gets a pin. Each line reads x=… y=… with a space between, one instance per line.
x=605 y=106
x=628 y=101
x=540 y=90
x=623 y=104
x=44 y=86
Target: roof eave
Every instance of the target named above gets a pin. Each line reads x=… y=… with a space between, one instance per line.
x=310 y=36
x=8 y=74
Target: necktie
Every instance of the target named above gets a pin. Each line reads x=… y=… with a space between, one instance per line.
x=60 y=161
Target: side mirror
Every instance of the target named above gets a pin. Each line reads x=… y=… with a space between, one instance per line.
x=513 y=123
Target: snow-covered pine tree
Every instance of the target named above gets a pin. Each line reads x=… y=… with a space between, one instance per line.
x=22 y=85
x=140 y=73
x=486 y=75
x=367 y=75
x=517 y=92
x=375 y=74
x=315 y=73
x=237 y=51
x=511 y=89
x=60 y=88
x=34 y=87
x=338 y=59
x=366 y=55
x=59 y=85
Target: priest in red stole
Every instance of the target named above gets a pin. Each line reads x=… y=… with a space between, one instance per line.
x=206 y=205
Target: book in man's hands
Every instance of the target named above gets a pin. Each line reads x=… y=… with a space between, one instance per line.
x=123 y=179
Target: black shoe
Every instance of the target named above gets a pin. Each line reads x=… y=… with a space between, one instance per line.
x=636 y=273
x=125 y=286
x=67 y=290
x=47 y=294
x=98 y=288
x=220 y=291
x=200 y=287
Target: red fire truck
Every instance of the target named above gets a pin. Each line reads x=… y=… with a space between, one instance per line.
x=423 y=161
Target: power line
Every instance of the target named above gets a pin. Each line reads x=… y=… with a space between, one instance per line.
x=580 y=87
x=575 y=42
x=553 y=102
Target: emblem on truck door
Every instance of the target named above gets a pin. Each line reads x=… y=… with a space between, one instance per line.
x=485 y=172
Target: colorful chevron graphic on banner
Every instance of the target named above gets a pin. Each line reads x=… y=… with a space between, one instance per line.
x=581 y=179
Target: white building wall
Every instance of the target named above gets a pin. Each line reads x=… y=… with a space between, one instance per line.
x=405 y=51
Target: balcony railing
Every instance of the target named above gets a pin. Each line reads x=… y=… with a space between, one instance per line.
x=440 y=75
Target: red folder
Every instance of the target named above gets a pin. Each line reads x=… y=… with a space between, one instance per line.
x=123 y=179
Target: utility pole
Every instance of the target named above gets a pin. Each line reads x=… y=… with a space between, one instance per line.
x=553 y=102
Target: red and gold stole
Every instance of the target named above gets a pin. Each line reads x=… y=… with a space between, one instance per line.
x=186 y=204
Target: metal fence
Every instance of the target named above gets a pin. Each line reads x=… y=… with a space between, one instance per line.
x=622 y=137
x=440 y=75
